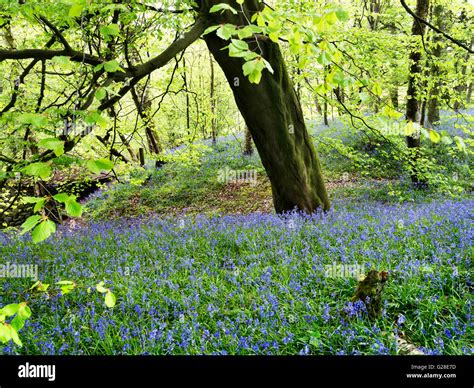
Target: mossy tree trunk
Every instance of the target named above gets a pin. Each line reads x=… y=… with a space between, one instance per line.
x=414 y=104
x=274 y=117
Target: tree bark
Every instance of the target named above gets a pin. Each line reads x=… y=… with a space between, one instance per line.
x=274 y=117
x=462 y=87
x=433 y=102
x=143 y=103
x=414 y=105
x=248 y=150
x=394 y=96
x=213 y=103
x=188 y=105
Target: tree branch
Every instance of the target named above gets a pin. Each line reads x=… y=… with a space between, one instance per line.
x=177 y=46
x=455 y=41
x=57 y=33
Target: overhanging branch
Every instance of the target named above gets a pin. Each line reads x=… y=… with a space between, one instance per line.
x=455 y=41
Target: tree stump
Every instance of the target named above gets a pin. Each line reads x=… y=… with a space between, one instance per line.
x=369 y=291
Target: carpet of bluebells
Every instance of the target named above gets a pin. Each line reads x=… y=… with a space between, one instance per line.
x=252 y=284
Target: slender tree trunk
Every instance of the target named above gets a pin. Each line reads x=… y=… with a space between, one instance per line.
x=188 y=106
x=394 y=96
x=274 y=117
x=8 y=36
x=423 y=113
x=394 y=87
x=126 y=143
x=213 y=103
x=462 y=87
x=433 y=102
x=325 y=112
x=413 y=108
x=144 y=107
x=373 y=18
x=143 y=103
x=318 y=105
x=248 y=149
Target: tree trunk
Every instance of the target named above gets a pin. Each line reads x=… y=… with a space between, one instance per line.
x=394 y=96
x=413 y=109
x=248 y=149
x=274 y=117
x=433 y=102
x=143 y=103
x=213 y=103
x=188 y=105
x=462 y=87
x=325 y=111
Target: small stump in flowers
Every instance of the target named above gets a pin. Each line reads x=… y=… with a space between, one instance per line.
x=369 y=291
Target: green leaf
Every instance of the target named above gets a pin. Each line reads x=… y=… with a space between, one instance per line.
x=255 y=77
x=43 y=231
x=226 y=31
x=268 y=66
x=39 y=205
x=248 y=31
x=324 y=58
x=66 y=286
x=342 y=15
x=76 y=10
x=110 y=299
x=339 y=78
x=410 y=128
x=240 y=44
x=24 y=311
x=61 y=60
x=61 y=197
x=377 y=89
x=53 y=144
x=31 y=199
x=65 y=282
x=250 y=67
x=39 y=169
x=112 y=66
x=434 y=136
x=30 y=223
x=460 y=143
x=35 y=119
x=110 y=30
x=97 y=166
x=10 y=309
x=14 y=336
x=100 y=288
x=18 y=322
x=392 y=113
x=73 y=208
x=96 y=118
x=331 y=18
x=210 y=29
x=39 y=286
x=222 y=7
x=5 y=335
x=100 y=94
